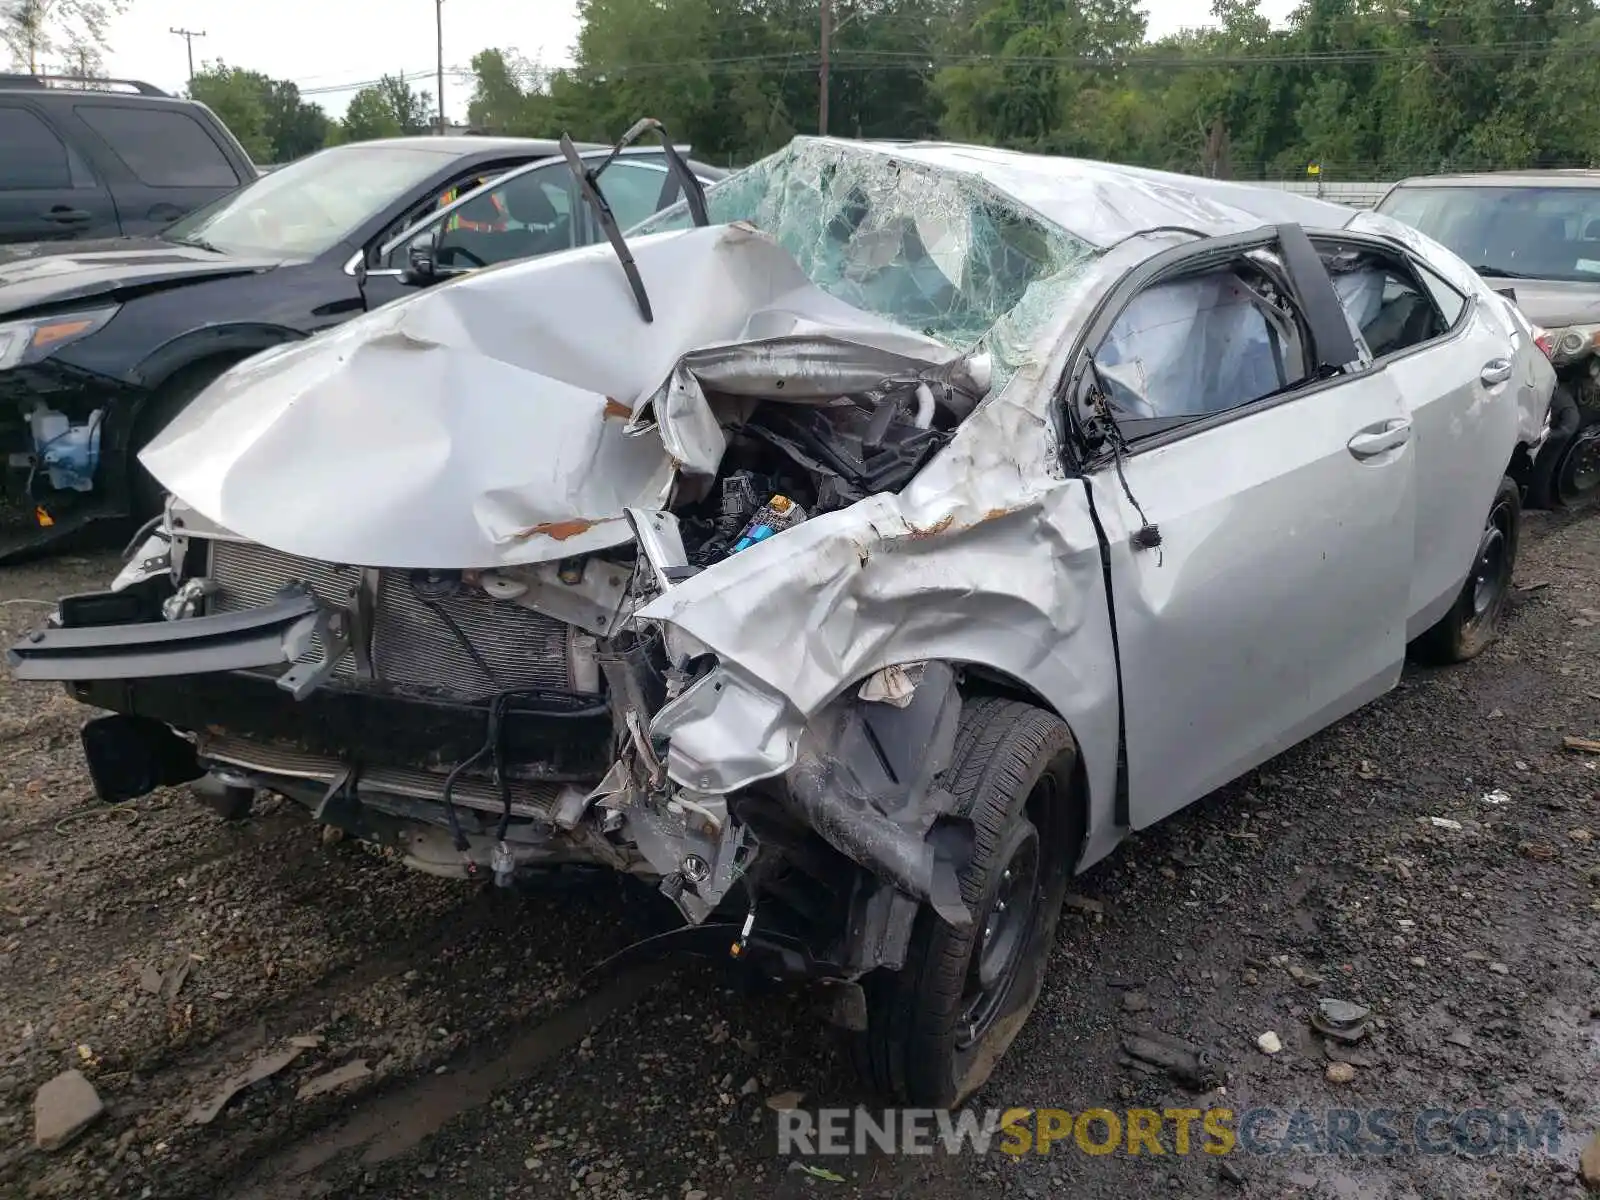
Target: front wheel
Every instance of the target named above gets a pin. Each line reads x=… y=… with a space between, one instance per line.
x=1469 y=627
x=937 y=1028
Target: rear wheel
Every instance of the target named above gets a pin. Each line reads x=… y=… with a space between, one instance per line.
x=1469 y=627
x=937 y=1028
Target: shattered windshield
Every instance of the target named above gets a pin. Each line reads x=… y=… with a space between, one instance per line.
x=936 y=251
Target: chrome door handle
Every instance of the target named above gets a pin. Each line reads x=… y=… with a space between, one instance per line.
x=1376 y=439
x=1495 y=372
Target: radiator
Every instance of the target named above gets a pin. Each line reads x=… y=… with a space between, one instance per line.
x=414 y=645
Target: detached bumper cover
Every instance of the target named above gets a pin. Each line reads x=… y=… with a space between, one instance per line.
x=271 y=635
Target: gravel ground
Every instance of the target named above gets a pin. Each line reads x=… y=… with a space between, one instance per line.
x=161 y=952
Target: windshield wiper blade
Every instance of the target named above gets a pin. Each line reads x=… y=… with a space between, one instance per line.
x=197 y=243
x=1500 y=273
x=588 y=187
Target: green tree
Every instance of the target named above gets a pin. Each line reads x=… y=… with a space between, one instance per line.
x=388 y=108
x=1369 y=88
x=236 y=96
x=293 y=126
x=36 y=29
x=1037 y=73
x=268 y=116
x=509 y=95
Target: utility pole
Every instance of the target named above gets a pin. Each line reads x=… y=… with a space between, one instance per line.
x=827 y=38
x=189 y=35
x=438 y=14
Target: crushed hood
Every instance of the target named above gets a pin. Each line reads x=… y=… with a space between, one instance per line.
x=512 y=415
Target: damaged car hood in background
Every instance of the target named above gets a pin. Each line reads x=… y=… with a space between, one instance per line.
x=514 y=414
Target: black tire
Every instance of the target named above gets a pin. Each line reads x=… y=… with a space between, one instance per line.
x=1577 y=476
x=1471 y=624
x=146 y=496
x=1013 y=775
x=1566 y=419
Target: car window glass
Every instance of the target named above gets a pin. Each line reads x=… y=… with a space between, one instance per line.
x=1531 y=232
x=1200 y=344
x=31 y=155
x=443 y=198
x=526 y=216
x=633 y=190
x=1451 y=303
x=163 y=147
x=1387 y=309
x=314 y=203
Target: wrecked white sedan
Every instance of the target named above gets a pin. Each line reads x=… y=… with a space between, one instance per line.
x=856 y=566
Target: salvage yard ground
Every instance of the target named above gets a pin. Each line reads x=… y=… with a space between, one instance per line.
x=162 y=953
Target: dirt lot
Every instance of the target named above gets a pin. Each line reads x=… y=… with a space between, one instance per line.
x=161 y=951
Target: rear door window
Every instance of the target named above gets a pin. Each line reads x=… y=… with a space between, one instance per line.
x=32 y=157
x=1387 y=307
x=163 y=147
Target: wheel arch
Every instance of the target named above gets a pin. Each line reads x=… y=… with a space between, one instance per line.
x=218 y=343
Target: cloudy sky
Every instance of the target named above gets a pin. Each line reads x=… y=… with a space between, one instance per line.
x=331 y=44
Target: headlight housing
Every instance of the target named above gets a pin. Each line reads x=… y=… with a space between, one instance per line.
x=37 y=338
x=1573 y=343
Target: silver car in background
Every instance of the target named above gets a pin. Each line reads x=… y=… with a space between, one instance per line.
x=855 y=561
x=1535 y=237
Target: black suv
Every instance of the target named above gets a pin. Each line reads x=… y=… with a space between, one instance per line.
x=115 y=157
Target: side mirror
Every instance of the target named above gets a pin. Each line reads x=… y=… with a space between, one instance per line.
x=422 y=260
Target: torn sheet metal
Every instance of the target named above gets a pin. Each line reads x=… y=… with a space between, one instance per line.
x=482 y=423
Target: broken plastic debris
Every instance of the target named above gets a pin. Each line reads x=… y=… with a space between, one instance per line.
x=1444 y=823
x=894 y=685
x=1498 y=796
x=1269 y=1042
x=263 y=1068
x=1184 y=1062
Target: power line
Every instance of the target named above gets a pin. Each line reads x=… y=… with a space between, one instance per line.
x=842 y=58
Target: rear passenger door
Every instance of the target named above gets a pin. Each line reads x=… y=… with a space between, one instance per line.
x=48 y=191
x=173 y=163
x=1259 y=518
x=1453 y=363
